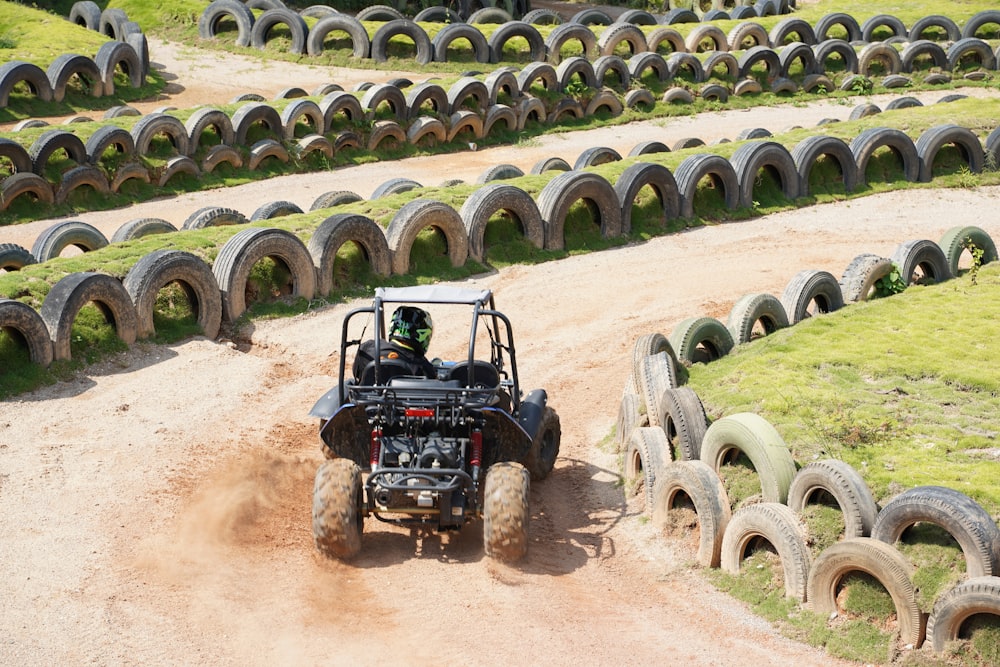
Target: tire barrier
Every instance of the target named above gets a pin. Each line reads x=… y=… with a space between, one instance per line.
x=682 y=417
x=839 y=481
x=28 y=324
x=752 y=310
x=73 y=292
x=244 y=249
x=160 y=268
x=685 y=483
x=973 y=597
x=876 y=559
x=749 y=434
x=646 y=454
x=954 y=512
x=53 y=240
x=777 y=525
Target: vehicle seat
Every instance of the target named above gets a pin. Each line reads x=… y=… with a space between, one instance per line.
x=388 y=369
x=481 y=374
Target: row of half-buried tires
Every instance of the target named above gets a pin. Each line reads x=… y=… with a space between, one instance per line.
x=542 y=220
x=705 y=339
x=694 y=483
x=255 y=31
x=128 y=51
x=388 y=251
x=29 y=164
x=409 y=125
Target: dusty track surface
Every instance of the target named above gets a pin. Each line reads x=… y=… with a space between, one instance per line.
x=155 y=510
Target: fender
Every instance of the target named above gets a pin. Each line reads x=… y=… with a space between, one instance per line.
x=327 y=405
x=347 y=434
x=532 y=411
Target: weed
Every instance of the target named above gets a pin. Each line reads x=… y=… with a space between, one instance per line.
x=891 y=283
x=977 y=260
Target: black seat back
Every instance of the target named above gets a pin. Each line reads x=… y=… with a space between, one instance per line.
x=479 y=374
x=388 y=369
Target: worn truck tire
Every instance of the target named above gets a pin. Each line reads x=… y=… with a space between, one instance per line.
x=73 y=292
x=158 y=269
x=697 y=483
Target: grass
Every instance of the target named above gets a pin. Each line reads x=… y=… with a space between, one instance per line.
x=900 y=409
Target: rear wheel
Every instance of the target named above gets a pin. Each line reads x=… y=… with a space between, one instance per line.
x=505 y=511
x=337 y=516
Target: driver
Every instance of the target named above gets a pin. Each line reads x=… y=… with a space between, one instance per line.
x=410 y=331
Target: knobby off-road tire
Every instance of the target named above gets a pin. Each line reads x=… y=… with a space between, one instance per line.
x=780 y=527
x=879 y=560
x=337 y=514
x=25 y=320
x=808 y=288
x=53 y=240
x=545 y=446
x=860 y=276
x=924 y=255
x=841 y=482
x=697 y=483
x=505 y=511
x=646 y=454
x=682 y=418
x=243 y=250
x=953 y=245
x=755 y=437
x=751 y=309
x=953 y=511
x=158 y=269
x=73 y=292
x=979 y=595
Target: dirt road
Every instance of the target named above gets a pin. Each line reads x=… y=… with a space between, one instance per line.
x=155 y=510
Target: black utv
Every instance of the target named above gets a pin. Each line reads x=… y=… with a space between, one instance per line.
x=432 y=452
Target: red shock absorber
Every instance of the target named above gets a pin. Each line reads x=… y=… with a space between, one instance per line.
x=476 y=457
x=376 y=447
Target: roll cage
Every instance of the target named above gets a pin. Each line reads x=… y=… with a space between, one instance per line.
x=502 y=356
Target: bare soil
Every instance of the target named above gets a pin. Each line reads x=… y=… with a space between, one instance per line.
x=156 y=508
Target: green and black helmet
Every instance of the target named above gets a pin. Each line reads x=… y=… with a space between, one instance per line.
x=412 y=327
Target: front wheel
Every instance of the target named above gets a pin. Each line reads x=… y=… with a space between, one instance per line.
x=505 y=511
x=545 y=446
x=337 y=518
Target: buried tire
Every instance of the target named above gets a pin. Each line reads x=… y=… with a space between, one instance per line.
x=646 y=453
x=241 y=252
x=779 y=526
x=954 y=512
x=158 y=269
x=73 y=292
x=841 y=482
x=703 y=488
x=980 y=595
x=879 y=560
x=755 y=437
x=26 y=321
